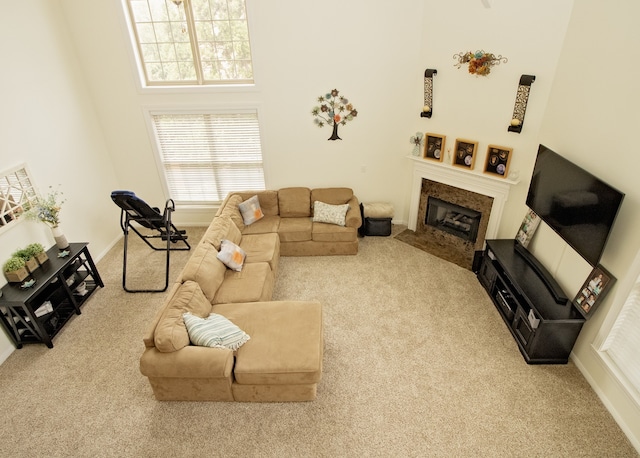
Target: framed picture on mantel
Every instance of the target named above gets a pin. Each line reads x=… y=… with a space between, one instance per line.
x=434 y=147
x=593 y=291
x=498 y=159
x=464 y=154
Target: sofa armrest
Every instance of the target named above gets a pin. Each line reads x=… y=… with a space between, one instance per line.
x=188 y=362
x=148 y=337
x=353 y=217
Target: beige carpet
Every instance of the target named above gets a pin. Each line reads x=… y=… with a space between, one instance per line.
x=417 y=363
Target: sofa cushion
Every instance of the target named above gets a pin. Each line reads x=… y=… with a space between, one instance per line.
x=331 y=233
x=222 y=227
x=268 y=200
x=171 y=334
x=264 y=226
x=214 y=331
x=294 y=202
x=335 y=196
x=231 y=255
x=262 y=248
x=254 y=283
x=232 y=211
x=295 y=229
x=205 y=268
x=286 y=345
x=250 y=210
x=330 y=214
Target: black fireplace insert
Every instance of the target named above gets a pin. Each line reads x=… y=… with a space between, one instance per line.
x=452 y=218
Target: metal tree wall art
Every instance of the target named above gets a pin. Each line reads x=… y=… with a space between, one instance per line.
x=334 y=110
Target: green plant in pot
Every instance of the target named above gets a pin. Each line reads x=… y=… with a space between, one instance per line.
x=15 y=270
x=37 y=251
x=30 y=261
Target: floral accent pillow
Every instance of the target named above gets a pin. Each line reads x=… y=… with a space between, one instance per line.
x=231 y=255
x=331 y=214
x=250 y=210
x=214 y=331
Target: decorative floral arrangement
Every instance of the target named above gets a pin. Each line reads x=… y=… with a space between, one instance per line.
x=416 y=140
x=479 y=62
x=334 y=110
x=47 y=209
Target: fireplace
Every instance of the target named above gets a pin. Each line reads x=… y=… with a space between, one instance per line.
x=455 y=219
x=452 y=222
x=466 y=194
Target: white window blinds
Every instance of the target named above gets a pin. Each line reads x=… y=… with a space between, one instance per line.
x=623 y=341
x=206 y=156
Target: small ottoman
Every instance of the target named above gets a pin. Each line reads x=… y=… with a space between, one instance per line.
x=376 y=219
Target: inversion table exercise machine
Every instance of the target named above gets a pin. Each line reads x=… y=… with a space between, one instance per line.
x=134 y=209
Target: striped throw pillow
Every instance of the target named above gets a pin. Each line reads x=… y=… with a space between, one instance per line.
x=214 y=331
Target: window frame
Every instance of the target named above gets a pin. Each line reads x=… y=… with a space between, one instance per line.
x=30 y=198
x=150 y=111
x=144 y=86
x=624 y=289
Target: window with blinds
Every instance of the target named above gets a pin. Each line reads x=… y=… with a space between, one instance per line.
x=623 y=341
x=206 y=156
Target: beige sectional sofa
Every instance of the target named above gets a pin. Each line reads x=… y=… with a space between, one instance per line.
x=289 y=213
x=282 y=360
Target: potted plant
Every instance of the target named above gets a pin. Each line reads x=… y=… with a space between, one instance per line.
x=37 y=251
x=29 y=261
x=15 y=270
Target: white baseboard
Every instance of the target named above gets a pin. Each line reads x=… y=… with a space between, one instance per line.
x=6 y=352
x=619 y=419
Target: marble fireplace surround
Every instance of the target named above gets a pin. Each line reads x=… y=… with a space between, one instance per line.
x=449 y=183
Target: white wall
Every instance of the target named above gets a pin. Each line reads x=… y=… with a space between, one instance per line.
x=47 y=120
x=480 y=108
x=592 y=119
x=375 y=54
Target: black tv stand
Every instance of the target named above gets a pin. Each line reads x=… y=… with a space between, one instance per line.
x=549 y=281
x=544 y=329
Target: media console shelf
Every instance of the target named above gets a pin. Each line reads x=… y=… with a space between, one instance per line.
x=62 y=284
x=543 y=322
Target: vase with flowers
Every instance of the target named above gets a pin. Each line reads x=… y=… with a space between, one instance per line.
x=47 y=209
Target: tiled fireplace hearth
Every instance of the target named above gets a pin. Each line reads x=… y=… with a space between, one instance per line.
x=466 y=209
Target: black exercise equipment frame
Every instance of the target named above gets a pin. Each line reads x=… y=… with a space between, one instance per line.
x=134 y=209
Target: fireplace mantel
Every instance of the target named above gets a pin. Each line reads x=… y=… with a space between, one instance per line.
x=471 y=180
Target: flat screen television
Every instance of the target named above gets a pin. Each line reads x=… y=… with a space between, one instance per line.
x=578 y=206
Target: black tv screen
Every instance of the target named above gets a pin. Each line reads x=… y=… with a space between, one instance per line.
x=577 y=205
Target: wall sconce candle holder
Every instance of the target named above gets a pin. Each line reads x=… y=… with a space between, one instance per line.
x=427 y=109
x=520 y=107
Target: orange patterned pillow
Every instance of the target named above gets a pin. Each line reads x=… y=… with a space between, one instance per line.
x=251 y=211
x=231 y=255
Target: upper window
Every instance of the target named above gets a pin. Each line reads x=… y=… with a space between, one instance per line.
x=192 y=42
